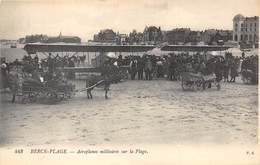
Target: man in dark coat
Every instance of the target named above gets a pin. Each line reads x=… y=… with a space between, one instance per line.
x=133 y=69
x=148 y=69
x=140 y=68
x=218 y=70
x=71 y=73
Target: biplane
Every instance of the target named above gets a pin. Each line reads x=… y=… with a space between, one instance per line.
x=72 y=48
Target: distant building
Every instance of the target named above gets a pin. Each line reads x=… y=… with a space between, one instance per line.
x=135 y=37
x=65 y=39
x=215 y=36
x=46 y=39
x=36 y=38
x=177 y=36
x=122 y=39
x=245 y=29
x=194 y=37
x=69 y=39
x=187 y=36
x=152 y=35
x=106 y=35
x=222 y=36
x=207 y=36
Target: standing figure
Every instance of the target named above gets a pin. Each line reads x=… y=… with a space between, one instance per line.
x=50 y=63
x=133 y=69
x=140 y=68
x=107 y=75
x=71 y=72
x=148 y=69
x=218 y=70
x=225 y=70
x=159 y=69
x=36 y=61
x=106 y=85
x=233 y=71
x=172 y=69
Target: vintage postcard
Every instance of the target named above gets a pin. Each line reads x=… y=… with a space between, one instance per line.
x=129 y=82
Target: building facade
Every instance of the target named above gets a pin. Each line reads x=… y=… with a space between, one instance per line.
x=152 y=35
x=135 y=37
x=50 y=39
x=246 y=29
x=121 y=39
x=177 y=36
x=106 y=35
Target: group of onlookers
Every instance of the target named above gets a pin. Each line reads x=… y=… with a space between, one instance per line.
x=147 y=67
x=225 y=68
x=143 y=67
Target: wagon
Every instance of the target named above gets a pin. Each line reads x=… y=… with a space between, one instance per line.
x=31 y=90
x=193 y=81
x=249 y=76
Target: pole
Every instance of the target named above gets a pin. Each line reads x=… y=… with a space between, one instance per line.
x=96 y=59
x=88 y=59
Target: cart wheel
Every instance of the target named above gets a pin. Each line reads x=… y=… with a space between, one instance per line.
x=199 y=85
x=218 y=86
x=51 y=96
x=183 y=85
x=193 y=86
x=32 y=97
x=25 y=99
x=246 y=80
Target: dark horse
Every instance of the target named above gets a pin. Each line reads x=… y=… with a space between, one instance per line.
x=94 y=81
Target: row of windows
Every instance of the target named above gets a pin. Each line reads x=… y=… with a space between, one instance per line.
x=247 y=29
x=242 y=29
x=242 y=25
x=246 y=37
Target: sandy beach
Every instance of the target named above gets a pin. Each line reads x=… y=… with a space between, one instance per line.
x=137 y=112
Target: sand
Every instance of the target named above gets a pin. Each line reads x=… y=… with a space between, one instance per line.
x=137 y=112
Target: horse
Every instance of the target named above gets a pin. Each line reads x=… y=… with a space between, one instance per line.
x=94 y=81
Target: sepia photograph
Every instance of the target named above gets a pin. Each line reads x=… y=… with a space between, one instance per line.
x=155 y=82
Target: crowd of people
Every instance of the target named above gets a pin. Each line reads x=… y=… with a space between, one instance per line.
x=47 y=65
x=147 y=67
x=225 y=68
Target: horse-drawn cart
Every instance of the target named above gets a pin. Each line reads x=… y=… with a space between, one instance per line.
x=193 y=81
x=51 y=91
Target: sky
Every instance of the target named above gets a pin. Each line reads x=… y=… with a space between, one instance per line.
x=84 y=18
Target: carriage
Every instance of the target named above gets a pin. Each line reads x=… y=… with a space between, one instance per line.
x=196 y=81
x=249 y=70
x=249 y=76
x=32 y=90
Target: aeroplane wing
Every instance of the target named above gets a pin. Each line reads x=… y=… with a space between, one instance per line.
x=33 y=48
x=194 y=48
